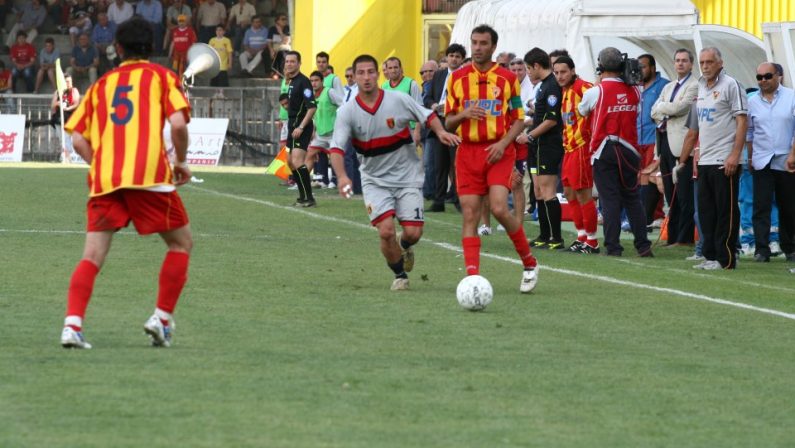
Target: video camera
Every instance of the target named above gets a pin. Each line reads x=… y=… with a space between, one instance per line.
x=629 y=70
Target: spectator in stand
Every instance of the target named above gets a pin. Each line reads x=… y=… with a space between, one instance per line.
x=29 y=21
x=49 y=54
x=223 y=46
x=120 y=11
x=240 y=16
x=254 y=44
x=85 y=59
x=210 y=14
x=80 y=20
x=23 y=57
x=152 y=12
x=182 y=37
x=177 y=8
x=6 y=87
x=279 y=42
x=102 y=36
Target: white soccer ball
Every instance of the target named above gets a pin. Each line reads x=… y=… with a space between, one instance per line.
x=474 y=292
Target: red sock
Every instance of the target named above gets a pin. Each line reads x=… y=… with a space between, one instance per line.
x=80 y=287
x=471 y=246
x=589 y=221
x=576 y=215
x=523 y=248
x=173 y=276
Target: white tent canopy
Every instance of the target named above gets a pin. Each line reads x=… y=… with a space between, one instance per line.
x=584 y=27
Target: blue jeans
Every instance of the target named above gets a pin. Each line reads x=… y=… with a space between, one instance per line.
x=27 y=73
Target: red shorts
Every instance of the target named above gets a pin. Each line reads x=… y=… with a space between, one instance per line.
x=150 y=212
x=521 y=151
x=577 y=172
x=646 y=155
x=473 y=175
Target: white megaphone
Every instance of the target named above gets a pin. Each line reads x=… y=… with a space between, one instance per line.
x=203 y=63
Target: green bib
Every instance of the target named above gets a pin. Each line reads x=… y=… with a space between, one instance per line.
x=326 y=113
x=282 y=111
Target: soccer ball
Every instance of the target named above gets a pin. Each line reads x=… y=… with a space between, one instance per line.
x=474 y=292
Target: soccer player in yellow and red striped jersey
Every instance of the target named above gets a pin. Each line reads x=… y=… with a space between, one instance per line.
x=577 y=173
x=118 y=129
x=484 y=106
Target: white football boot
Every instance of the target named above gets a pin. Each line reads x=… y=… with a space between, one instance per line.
x=73 y=339
x=529 y=280
x=400 y=284
x=159 y=334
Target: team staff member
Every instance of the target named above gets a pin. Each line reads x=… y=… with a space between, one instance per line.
x=377 y=123
x=335 y=94
x=718 y=120
x=444 y=156
x=484 y=106
x=615 y=159
x=300 y=110
x=546 y=148
x=576 y=172
x=396 y=80
x=771 y=127
x=670 y=112
x=130 y=178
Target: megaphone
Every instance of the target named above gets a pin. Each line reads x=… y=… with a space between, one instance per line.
x=203 y=63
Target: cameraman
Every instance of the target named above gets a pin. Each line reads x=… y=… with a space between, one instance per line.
x=614 y=143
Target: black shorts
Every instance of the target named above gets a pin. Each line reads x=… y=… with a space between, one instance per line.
x=301 y=142
x=545 y=160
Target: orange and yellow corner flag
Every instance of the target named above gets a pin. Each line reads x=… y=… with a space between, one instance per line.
x=279 y=166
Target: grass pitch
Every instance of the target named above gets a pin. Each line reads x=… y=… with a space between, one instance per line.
x=289 y=336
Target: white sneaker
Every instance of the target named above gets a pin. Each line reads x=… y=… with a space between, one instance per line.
x=293 y=187
x=159 y=333
x=529 y=280
x=695 y=257
x=400 y=284
x=775 y=249
x=484 y=230
x=500 y=228
x=331 y=185
x=709 y=265
x=657 y=223
x=747 y=249
x=792 y=271
x=73 y=339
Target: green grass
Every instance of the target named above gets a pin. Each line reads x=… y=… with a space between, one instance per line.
x=289 y=336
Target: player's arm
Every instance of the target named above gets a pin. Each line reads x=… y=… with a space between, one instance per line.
x=337 y=93
x=82 y=147
x=340 y=139
x=179 y=137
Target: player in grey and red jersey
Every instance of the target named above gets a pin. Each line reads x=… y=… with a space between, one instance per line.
x=377 y=124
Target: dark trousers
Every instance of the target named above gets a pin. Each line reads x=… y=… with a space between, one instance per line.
x=206 y=33
x=769 y=183
x=352 y=168
x=679 y=196
x=615 y=174
x=445 y=171
x=719 y=213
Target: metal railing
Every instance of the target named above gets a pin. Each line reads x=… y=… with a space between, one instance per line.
x=252 y=135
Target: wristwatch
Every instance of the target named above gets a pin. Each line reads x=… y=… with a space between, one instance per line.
x=530 y=138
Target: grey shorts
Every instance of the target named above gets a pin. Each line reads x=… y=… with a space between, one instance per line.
x=405 y=204
x=321 y=142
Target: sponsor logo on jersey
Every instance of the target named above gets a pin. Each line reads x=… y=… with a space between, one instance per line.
x=552 y=100
x=390 y=122
x=622 y=98
x=622 y=108
x=493 y=107
x=705 y=114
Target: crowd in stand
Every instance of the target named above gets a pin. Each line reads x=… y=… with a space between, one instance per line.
x=258 y=33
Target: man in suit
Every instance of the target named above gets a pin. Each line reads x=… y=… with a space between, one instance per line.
x=670 y=113
x=444 y=155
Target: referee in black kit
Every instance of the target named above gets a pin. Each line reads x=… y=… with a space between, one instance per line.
x=545 y=153
x=300 y=110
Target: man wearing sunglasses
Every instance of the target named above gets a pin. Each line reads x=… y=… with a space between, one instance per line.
x=718 y=120
x=771 y=128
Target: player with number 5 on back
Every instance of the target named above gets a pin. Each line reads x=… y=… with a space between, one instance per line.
x=377 y=124
x=118 y=130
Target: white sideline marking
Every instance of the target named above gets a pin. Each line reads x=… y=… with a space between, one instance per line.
x=695 y=273
x=455 y=248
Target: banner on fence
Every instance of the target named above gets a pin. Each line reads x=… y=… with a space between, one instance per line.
x=12 y=137
x=206 y=140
